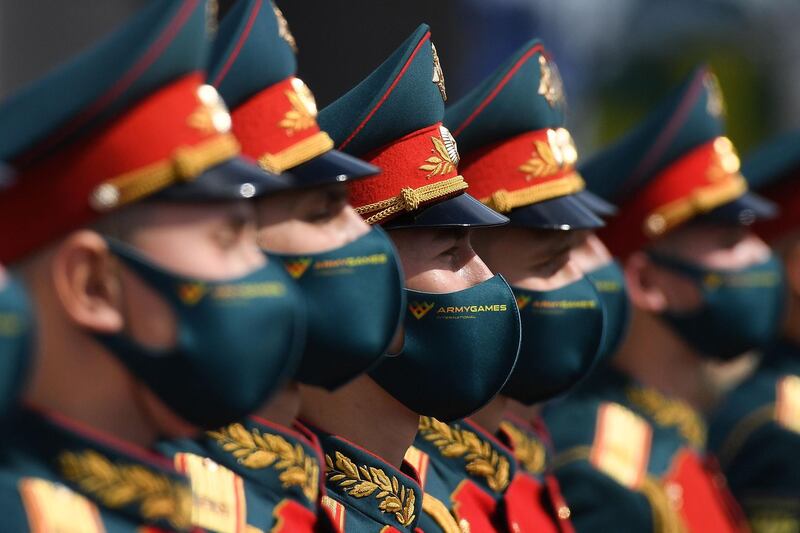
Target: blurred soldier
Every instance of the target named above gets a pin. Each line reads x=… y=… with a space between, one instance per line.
x=756 y=431
x=461 y=326
x=267 y=466
x=485 y=472
x=129 y=225
x=630 y=444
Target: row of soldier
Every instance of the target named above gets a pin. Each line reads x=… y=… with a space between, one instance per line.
x=273 y=319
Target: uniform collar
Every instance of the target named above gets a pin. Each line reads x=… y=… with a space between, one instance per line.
x=268 y=455
x=530 y=447
x=365 y=482
x=662 y=410
x=465 y=450
x=116 y=475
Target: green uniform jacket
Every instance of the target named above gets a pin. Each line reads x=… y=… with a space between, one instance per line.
x=57 y=475
x=261 y=477
x=756 y=435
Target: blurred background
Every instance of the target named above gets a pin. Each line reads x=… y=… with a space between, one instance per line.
x=617 y=57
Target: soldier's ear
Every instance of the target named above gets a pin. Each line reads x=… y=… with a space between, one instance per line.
x=86 y=282
x=643 y=288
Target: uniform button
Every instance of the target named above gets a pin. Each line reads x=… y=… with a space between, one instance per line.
x=464 y=525
x=674 y=494
x=564 y=512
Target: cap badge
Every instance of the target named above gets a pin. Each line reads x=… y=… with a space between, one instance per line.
x=550 y=84
x=303 y=113
x=551 y=156
x=725 y=162
x=445 y=155
x=716 y=102
x=438 y=75
x=212 y=116
x=283 y=28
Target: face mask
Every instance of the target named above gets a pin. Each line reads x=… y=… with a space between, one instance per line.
x=354 y=298
x=561 y=334
x=459 y=350
x=237 y=341
x=740 y=310
x=16 y=342
x=610 y=284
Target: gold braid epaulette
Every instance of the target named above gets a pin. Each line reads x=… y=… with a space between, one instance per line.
x=504 y=201
x=411 y=199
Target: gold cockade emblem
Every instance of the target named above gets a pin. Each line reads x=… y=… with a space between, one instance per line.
x=550 y=84
x=445 y=156
x=283 y=28
x=725 y=160
x=256 y=450
x=481 y=459
x=363 y=481
x=438 y=74
x=120 y=485
x=212 y=116
x=549 y=157
x=303 y=113
x=716 y=101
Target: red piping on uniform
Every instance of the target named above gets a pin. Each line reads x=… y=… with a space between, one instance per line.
x=498 y=88
x=106 y=438
x=249 y=26
x=668 y=133
x=387 y=93
x=127 y=80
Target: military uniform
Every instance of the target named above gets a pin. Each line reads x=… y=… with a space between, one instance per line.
x=627 y=455
x=260 y=476
x=60 y=476
x=128 y=119
x=755 y=431
x=264 y=476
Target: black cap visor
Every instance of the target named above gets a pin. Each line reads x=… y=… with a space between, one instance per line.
x=561 y=213
x=331 y=167
x=596 y=205
x=233 y=179
x=459 y=211
x=743 y=210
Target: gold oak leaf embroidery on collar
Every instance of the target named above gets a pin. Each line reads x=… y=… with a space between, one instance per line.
x=528 y=451
x=362 y=481
x=119 y=485
x=256 y=450
x=453 y=442
x=670 y=412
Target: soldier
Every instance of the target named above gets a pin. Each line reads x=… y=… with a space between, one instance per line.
x=755 y=430
x=129 y=223
x=630 y=444
x=518 y=159
x=16 y=338
x=461 y=329
x=267 y=467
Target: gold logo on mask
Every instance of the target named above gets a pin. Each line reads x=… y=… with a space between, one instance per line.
x=522 y=301
x=297 y=267
x=191 y=293
x=420 y=309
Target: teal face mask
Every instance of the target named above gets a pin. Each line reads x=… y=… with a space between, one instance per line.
x=561 y=333
x=354 y=298
x=238 y=340
x=460 y=347
x=609 y=281
x=16 y=342
x=741 y=309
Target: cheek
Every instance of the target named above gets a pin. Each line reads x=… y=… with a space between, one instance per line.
x=149 y=319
